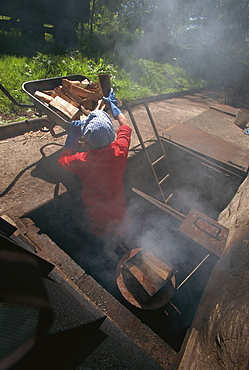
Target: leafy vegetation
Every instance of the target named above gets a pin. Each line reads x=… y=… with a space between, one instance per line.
x=147 y=77
x=147 y=46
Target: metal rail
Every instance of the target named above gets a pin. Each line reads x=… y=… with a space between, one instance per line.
x=14 y=100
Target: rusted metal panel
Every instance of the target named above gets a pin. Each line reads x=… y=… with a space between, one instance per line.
x=205 y=231
x=208 y=145
x=225 y=109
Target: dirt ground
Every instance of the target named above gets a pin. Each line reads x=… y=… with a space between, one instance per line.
x=31 y=178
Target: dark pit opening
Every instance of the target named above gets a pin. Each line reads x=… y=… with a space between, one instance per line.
x=200 y=185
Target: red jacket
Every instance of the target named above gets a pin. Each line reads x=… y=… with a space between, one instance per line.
x=101 y=172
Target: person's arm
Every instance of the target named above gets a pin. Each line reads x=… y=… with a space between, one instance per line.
x=113 y=105
x=122 y=119
x=73 y=137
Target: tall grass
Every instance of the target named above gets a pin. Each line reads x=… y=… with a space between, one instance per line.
x=142 y=78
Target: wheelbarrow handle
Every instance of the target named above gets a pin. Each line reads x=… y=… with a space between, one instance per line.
x=13 y=100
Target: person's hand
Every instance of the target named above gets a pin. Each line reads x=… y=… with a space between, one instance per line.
x=113 y=103
x=74 y=135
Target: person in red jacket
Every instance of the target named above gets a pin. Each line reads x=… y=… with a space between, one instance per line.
x=100 y=168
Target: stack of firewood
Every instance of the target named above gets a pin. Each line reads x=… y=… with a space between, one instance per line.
x=73 y=99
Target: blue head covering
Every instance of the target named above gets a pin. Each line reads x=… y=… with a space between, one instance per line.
x=97 y=129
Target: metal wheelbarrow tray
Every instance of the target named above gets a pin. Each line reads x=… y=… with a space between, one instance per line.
x=30 y=87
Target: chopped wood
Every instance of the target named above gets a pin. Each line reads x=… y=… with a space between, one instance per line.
x=76 y=98
x=95 y=87
x=63 y=106
x=87 y=103
x=71 y=94
x=85 y=82
x=49 y=92
x=42 y=96
x=97 y=90
x=84 y=93
x=58 y=92
x=66 y=82
x=158 y=266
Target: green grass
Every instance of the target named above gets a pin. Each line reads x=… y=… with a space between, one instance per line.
x=141 y=78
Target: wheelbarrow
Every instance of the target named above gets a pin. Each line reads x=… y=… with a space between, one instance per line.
x=55 y=117
x=48 y=115
x=31 y=87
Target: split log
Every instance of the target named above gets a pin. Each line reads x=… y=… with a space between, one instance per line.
x=69 y=83
x=87 y=103
x=42 y=96
x=58 y=92
x=71 y=94
x=95 y=87
x=84 y=93
x=74 y=98
x=63 y=106
x=85 y=83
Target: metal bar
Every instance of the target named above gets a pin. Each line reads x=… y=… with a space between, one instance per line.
x=157 y=160
x=196 y=268
x=152 y=120
x=169 y=197
x=172 y=304
x=163 y=179
x=13 y=100
x=178 y=215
